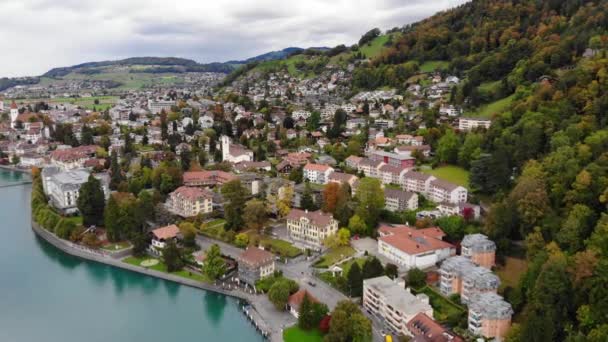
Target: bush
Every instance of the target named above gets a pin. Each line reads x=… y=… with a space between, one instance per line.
x=64 y=228
x=416 y=278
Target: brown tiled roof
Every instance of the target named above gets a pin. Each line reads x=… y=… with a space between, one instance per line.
x=316 y=167
x=295 y=300
x=167 y=232
x=318 y=218
x=192 y=193
x=419 y=176
x=255 y=257
x=411 y=240
x=425 y=329
x=400 y=194
x=443 y=184
x=215 y=176
x=342 y=177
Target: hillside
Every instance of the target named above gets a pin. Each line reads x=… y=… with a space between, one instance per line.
x=544 y=161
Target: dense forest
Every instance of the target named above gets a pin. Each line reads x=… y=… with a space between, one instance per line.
x=544 y=162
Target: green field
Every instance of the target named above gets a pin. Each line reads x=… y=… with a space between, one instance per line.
x=443 y=308
x=496 y=107
x=280 y=247
x=295 y=334
x=334 y=255
x=375 y=47
x=161 y=267
x=105 y=102
x=454 y=174
x=432 y=66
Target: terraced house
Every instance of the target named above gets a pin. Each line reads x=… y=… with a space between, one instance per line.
x=310 y=228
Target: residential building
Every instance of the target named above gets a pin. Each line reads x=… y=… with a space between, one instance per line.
x=207 y=178
x=489 y=316
x=353 y=161
x=459 y=275
x=466 y=210
x=311 y=228
x=393 y=304
x=417 y=182
x=413 y=248
x=370 y=168
x=158 y=105
x=72 y=157
x=255 y=264
x=468 y=124
x=160 y=237
x=393 y=159
x=340 y=178
x=190 y=201
x=63 y=187
x=317 y=173
x=479 y=249
x=424 y=329
x=294 y=302
x=399 y=200
x=444 y=191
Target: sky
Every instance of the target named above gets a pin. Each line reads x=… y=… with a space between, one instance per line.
x=42 y=34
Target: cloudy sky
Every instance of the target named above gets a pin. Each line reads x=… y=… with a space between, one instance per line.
x=42 y=34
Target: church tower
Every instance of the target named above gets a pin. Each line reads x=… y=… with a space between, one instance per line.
x=14 y=113
x=225 y=140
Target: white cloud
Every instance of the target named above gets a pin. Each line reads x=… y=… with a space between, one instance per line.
x=42 y=34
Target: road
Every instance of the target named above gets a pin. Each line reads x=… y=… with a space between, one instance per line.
x=300 y=270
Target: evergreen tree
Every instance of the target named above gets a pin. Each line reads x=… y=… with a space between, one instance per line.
x=91 y=202
x=214 y=266
x=185 y=160
x=307 y=202
x=355 y=281
x=235 y=195
x=372 y=268
x=306 y=318
x=172 y=257
x=111 y=223
x=115 y=171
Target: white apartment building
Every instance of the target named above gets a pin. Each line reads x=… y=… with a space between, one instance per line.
x=467 y=124
x=393 y=304
x=317 y=173
x=409 y=247
x=156 y=105
x=63 y=187
x=444 y=191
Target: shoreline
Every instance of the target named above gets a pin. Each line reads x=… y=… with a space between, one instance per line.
x=16 y=169
x=68 y=248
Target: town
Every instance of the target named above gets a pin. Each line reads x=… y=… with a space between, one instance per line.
x=276 y=186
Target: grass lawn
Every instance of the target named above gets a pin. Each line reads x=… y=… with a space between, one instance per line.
x=116 y=246
x=280 y=247
x=431 y=66
x=377 y=45
x=334 y=255
x=454 y=174
x=160 y=266
x=218 y=223
x=495 y=107
x=76 y=219
x=510 y=273
x=442 y=307
x=295 y=334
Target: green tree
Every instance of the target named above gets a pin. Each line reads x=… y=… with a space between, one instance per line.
x=235 y=195
x=172 y=257
x=391 y=271
x=241 y=240
x=416 y=278
x=372 y=268
x=370 y=198
x=280 y=291
x=115 y=171
x=91 y=202
x=111 y=220
x=307 y=202
x=470 y=149
x=214 y=265
x=357 y=226
x=255 y=215
x=305 y=318
x=447 y=148
x=348 y=324
x=576 y=228
x=355 y=280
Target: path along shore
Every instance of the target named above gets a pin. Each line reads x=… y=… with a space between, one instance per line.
x=266 y=329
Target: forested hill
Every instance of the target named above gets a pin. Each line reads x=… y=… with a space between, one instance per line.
x=544 y=161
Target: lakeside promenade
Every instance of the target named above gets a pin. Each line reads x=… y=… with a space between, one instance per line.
x=257 y=310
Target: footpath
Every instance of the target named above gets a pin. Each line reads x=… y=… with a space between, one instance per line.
x=256 y=309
